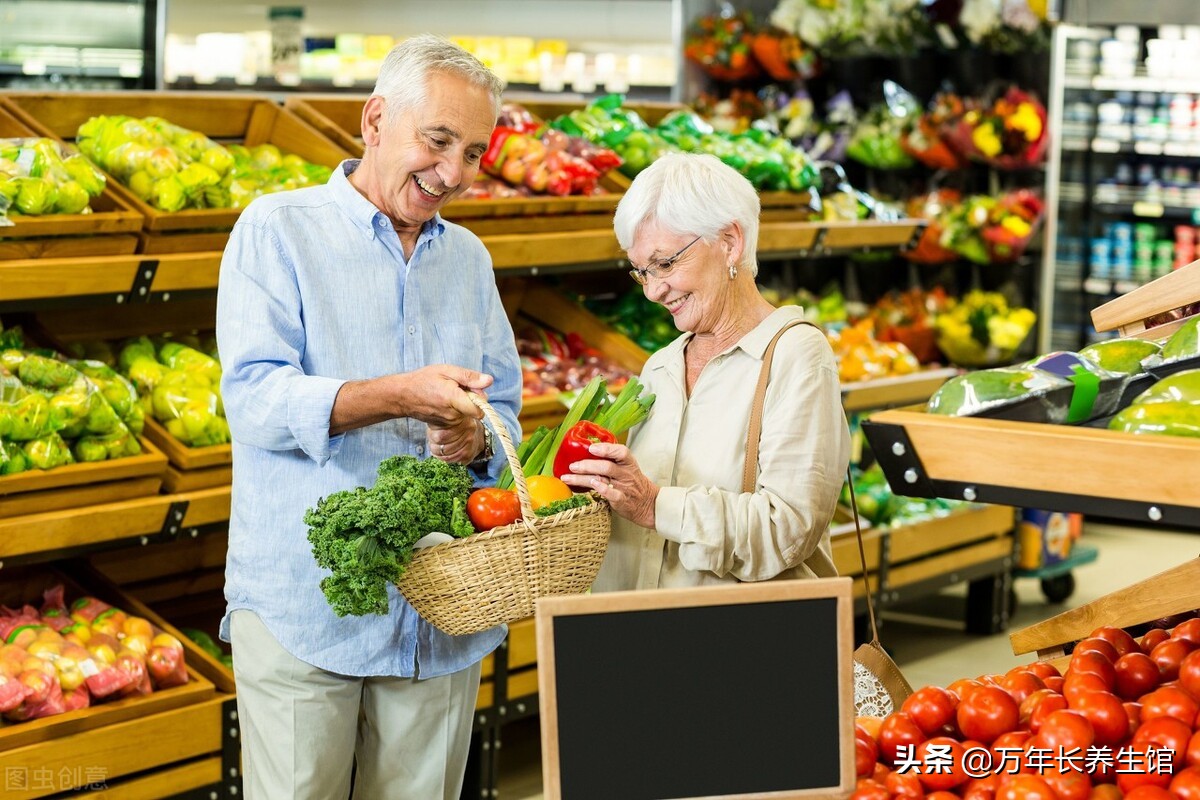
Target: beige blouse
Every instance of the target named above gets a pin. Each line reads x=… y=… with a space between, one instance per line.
x=707 y=530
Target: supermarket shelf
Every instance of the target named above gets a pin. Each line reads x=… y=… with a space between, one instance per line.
x=25 y=283
x=898 y=391
x=50 y=535
x=1013 y=463
x=1148 y=210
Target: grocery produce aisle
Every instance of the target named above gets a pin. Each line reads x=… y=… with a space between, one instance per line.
x=940 y=653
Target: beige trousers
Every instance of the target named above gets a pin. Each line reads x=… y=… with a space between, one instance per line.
x=302 y=727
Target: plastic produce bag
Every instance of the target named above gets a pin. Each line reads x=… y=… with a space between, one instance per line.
x=1182 y=387
x=28 y=652
x=41 y=176
x=160 y=653
x=1184 y=343
x=1097 y=391
x=876 y=141
x=117 y=390
x=1011 y=392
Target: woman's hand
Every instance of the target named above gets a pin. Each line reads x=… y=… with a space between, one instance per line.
x=614 y=475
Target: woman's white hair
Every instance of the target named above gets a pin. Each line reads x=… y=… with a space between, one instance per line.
x=690 y=194
x=403 y=77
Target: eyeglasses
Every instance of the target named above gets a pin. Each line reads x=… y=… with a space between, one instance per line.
x=661 y=268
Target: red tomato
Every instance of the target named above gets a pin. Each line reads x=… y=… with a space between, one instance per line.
x=1040 y=707
x=1152 y=638
x=897 y=729
x=1024 y=787
x=1054 y=683
x=1189 y=670
x=1169 y=656
x=1105 y=791
x=870 y=725
x=943 y=752
x=880 y=774
x=866 y=753
x=1168 y=701
x=986 y=713
x=1165 y=733
x=1103 y=766
x=1137 y=674
x=1106 y=714
x=867 y=789
x=981 y=788
x=1043 y=669
x=1186 y=783
x=1066 y=730
x=1133 y=768
x=1007 y=750
x=1193 y=750
x=492 y=507
x=1021 y=684
x=1094 y=644
x=941 y=795
x=1134 y=712
x=1188 y=630
x=1145 y=792
x=962 y=687
x=904 y=784
x=1069 y=785
x=931 y=707
x=1077 y=683
x=1119 y=638
x=1093 y=663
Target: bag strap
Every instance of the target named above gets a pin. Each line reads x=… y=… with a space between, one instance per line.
x=750 y=470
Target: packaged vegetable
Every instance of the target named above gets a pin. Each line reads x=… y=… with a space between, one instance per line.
x=1184 y=342
x=1182 y=387
x=992 y=391
x=1097 y=391
x=1172 y=418
x=48 y=452
x=1123 y=356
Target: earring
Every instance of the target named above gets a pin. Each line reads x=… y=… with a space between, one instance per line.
x=732 y=271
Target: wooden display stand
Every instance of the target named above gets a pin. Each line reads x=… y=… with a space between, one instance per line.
x=171 y=728
x=225 y=118
x=1172 y=592
x=1056 y=467
x=109 y=229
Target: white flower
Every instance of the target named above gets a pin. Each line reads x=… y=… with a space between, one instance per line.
x=979 y=18
x=1017 y=14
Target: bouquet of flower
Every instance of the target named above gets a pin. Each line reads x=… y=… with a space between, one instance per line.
x=833 y=27
x=1006 y=26
x=992 y=230
x=933 y=206
x=722 y=45
x=877 y=139
x=783 y=55
x=907 y=318
x=1009 y=133
x=925 y=139
x=982 y=330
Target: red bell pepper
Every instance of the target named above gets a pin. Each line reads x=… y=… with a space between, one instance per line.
x=493 y=158
x=575 y=444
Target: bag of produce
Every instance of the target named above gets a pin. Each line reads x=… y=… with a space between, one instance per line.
x=1007 y=393
x=117 y=390
x=1122 y=356
x=12 y=691
x=47 y=452
x=161 y=653
x=876 y=141
x=1097 y=391
x=29 y=650
x=41 y=176
x=1184 y=343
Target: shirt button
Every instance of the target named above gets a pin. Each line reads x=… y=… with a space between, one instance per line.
x=412 y=329
x=420 y=449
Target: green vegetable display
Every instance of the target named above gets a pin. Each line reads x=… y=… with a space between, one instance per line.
x=180 y=387
x=365 y=535
x=48 y=452
x=174 y=168
x=41 y=176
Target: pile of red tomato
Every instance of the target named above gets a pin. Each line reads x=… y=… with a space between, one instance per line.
x=1122 y=702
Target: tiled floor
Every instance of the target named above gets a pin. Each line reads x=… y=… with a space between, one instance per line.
x=935 y=650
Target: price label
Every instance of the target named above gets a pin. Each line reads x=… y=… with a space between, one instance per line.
x=1148 y=148
x=1097 y=286
x=1106 y=146
x=1146 y=209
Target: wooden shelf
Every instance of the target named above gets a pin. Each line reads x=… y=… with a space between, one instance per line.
x=902 y=390
x=119 y=278
x=1056 y=467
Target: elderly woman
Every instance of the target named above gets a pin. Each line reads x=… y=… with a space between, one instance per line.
x=690 y=225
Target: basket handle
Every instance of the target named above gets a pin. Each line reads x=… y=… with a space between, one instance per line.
x=510 y=452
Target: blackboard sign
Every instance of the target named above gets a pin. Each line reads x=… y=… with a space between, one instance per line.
x=738 y=691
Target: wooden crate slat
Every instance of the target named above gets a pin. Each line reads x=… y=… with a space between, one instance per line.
x=522 y=251
x=551 y=308
x=24 y=503
x=1127 y=314
x=183 y=456
x=908 y=542
x=869 y=233
x=179 y=480
x=133 y=565
x=123 y=748
x=162 y=783
x=523 y=683
x=205 y=506
x=340 y=120
x=786 y=236
x=32 y=279
x=161 y=243
x=522 y=643
x=1068 y=459
x=927 y=568
x=901 y=390
x=487 y=695
x=68 y=246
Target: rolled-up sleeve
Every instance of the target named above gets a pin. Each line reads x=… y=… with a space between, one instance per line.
x=804 y=450
x=269 y=401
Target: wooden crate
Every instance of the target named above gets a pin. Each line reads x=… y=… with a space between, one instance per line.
x=225 y=118
x=191 y=467
x=150 y=463
x=108 y=230
x=115 y=738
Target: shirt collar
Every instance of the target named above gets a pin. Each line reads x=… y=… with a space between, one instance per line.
x=362 y=212
x=753 y=343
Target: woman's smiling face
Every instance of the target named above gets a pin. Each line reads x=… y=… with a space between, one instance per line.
x=694 y=288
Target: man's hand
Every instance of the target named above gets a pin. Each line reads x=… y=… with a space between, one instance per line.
x=456 y=444
x=435 y=395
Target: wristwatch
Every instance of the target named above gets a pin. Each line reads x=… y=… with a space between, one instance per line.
x=489 y=449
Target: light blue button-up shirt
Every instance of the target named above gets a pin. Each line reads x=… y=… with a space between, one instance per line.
x=315 y=291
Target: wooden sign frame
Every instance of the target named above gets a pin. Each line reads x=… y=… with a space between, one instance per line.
x=839 y=589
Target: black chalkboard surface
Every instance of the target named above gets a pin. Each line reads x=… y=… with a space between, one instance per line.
x=740 y=691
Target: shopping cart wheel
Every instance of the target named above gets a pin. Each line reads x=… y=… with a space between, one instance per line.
x=1058 y=588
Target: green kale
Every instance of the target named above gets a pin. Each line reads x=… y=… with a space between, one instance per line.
x=557 y=506
x=365 y=535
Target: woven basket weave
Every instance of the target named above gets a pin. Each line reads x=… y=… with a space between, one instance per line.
x=476 y=583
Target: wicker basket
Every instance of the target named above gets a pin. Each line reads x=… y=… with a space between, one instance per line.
x=472 y=584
